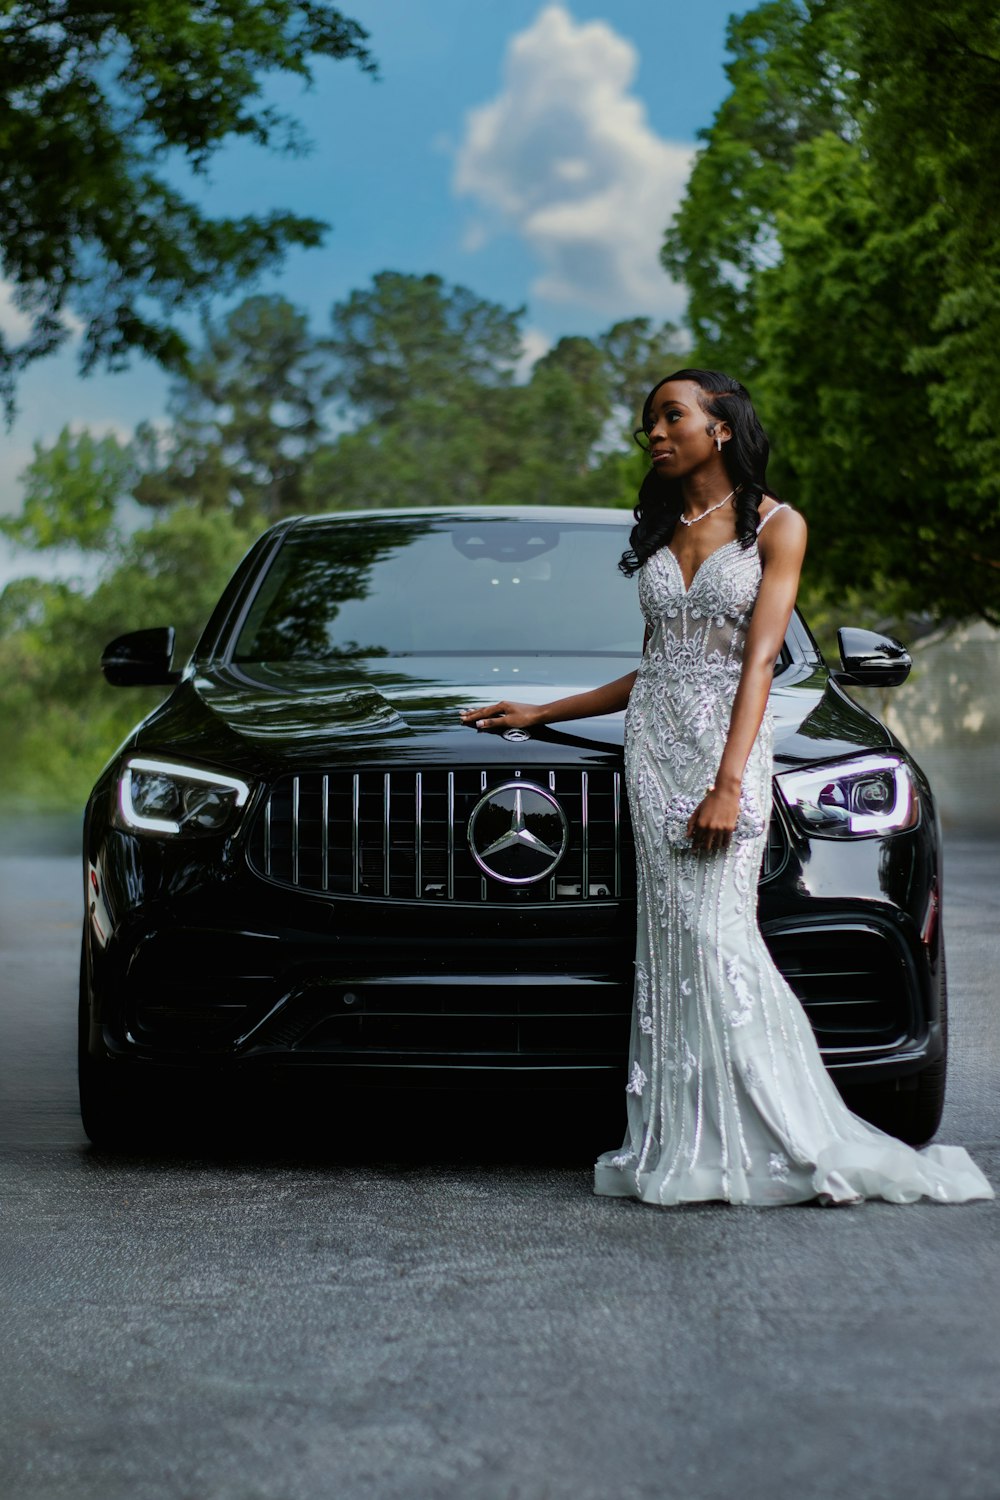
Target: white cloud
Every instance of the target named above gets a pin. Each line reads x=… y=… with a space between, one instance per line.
x=534 y=344
x=15 y=325
x=476 y=235
x=565 y=156
x=102 y=429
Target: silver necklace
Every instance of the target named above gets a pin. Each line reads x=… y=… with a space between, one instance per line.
x=684 y=520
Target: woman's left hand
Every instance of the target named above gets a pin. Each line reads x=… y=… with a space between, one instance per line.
x=710 y=826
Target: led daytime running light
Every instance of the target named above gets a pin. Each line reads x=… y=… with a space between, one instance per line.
x=168 y=768
x=801 y=791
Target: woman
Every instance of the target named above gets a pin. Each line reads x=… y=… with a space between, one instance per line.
x=727 y=1094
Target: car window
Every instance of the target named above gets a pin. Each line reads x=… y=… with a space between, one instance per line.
x=432 y=585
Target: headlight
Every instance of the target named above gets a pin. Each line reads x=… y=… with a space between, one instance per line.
x=847 y=799
x=161 y=796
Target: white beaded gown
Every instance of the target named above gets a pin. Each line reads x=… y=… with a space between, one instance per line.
x=727 y=1094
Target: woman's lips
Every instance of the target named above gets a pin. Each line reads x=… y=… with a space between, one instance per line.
x=661 y=454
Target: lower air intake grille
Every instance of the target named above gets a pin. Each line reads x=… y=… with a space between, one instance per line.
x=853 y=984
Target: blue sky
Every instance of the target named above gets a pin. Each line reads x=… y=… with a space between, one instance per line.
x=533 y=152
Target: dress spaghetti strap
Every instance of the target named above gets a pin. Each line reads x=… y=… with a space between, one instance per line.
x=782 y=505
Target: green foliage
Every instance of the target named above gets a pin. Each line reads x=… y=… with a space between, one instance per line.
x=93 y=98
x=835 y=323
x=517 y=445
x=787 y=85
x=245 y=420
x=411 y=338
x=71 y=493
x=60 y=720
x=431 y=368
x=423 y=454
x=841 y=238
x=939 y=112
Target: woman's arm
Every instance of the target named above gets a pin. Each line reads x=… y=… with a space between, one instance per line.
x=782 y=547
x=609 y=699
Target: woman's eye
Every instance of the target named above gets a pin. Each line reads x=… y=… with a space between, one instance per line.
x=668 y=416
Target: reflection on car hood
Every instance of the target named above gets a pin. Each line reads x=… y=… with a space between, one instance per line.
x=301 y=711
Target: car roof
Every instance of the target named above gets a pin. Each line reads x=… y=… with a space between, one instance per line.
x=601 y=515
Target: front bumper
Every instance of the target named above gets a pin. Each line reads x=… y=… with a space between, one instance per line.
x=205 y=963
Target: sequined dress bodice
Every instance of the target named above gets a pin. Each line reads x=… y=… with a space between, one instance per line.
x=683 y=694
x=708 y=622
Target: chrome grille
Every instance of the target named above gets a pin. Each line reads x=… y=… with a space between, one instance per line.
x=402 y=834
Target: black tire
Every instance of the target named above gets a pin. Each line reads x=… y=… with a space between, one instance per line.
x=912 y=1114
x=108 y=1105
x=927 y=1099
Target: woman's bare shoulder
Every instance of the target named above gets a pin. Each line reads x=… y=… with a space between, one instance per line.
x=786 y=517
x=781 y=528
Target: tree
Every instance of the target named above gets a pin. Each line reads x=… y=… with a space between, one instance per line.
x=412 y=337
x=547 y=451
x=837 y=268
x=835 y=322
x=425 y=370
x=245 y=419
x=72 y=493
x=490 y=442
x=94 y=99
x=431 y=367
x=787 y=86
x=424 y=454
x=935 y=74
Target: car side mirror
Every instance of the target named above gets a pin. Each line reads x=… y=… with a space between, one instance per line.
x=141 y=659
x=871 y=660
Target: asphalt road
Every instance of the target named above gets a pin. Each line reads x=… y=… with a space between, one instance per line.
x=400 y=1305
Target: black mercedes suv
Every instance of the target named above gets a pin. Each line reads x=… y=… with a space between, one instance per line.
x=302 y=858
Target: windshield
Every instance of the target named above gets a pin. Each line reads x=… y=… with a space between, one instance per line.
x=432 y=585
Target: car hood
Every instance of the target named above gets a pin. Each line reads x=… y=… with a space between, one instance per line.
x=408 y=707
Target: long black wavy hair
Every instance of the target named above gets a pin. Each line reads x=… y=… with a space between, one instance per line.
x=745 y=456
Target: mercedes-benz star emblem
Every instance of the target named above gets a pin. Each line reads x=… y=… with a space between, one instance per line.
x=515 y=735
x=518 y=833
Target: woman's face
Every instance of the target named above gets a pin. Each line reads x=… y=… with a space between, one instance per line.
x=677 y=430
